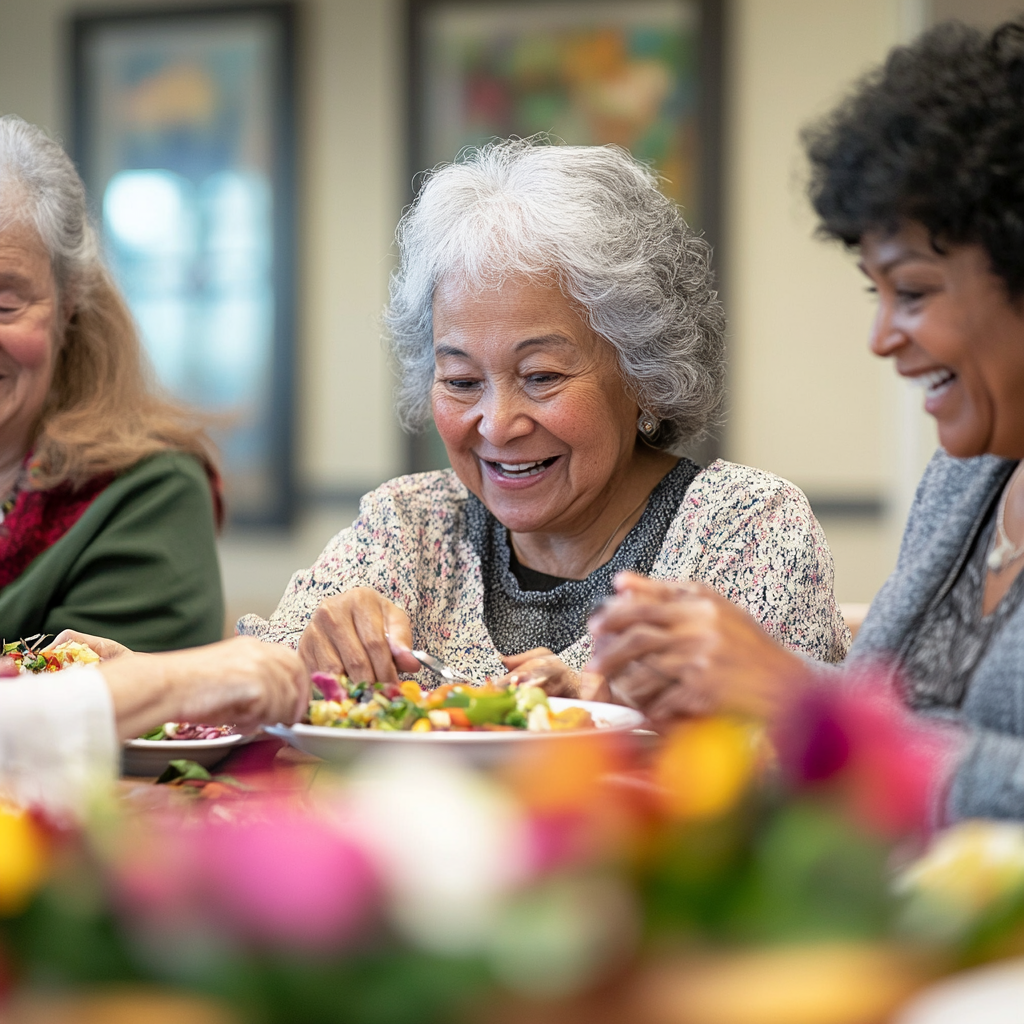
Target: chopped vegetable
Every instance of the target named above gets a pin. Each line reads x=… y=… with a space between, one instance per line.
x=189 y=731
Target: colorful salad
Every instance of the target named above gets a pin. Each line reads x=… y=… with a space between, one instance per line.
x=453 y=707
x=51 y=659
x=188 y=731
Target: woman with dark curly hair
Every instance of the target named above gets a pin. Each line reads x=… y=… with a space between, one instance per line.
x=921 y=169
x=555 y=315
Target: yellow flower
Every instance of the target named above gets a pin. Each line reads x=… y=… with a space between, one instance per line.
x=24 y=857
x=706 y=765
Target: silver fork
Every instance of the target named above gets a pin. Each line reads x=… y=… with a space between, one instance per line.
x=439 y=668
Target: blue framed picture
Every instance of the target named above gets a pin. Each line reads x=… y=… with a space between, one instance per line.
x=183 y=130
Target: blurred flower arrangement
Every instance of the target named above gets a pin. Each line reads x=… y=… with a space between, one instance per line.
x=415 y=889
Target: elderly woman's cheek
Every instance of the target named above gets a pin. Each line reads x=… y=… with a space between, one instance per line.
x=455 y=415
x=30 y=346
x=455 y=423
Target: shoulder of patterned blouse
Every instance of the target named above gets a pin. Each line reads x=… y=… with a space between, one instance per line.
x=726 y=487
x=436 y=497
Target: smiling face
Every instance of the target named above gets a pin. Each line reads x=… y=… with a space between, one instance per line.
x=28 y=317
x=531 y=406
x=949 y=323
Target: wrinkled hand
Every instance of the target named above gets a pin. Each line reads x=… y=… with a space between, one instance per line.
x=240 y=682
x=677 y=649
x=361 y=634
x=542 y=667
x=106 y=649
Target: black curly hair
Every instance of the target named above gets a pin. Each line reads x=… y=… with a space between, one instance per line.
x=935 y=135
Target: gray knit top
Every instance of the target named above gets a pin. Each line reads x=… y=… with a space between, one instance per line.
x=954 y=496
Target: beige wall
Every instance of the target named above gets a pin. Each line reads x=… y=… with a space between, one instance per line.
x=807 y=400
x=983 y=13
x=355 y=188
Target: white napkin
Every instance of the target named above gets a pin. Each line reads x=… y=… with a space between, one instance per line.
x=57 y=739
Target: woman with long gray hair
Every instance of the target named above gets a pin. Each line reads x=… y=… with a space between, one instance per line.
x=556 y=317
x=107 y=491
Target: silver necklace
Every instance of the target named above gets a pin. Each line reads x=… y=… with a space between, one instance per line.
x=629 y=515
x=597 y=561
x=1003 y=549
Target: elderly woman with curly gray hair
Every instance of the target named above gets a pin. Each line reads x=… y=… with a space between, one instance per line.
x=554 y=314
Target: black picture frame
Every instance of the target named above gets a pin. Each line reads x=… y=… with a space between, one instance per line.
x=277 y=505
x=422 y=448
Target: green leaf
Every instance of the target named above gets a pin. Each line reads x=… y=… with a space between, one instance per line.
x=159 y=733
x=182 y=768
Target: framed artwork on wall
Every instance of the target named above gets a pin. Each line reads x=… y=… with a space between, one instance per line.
x=643 y=74
x=183 y=130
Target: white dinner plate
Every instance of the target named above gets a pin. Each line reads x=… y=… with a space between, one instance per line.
x=151 y=757
x=481 y=748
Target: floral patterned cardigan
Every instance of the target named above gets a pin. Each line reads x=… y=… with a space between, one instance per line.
x=748 y=534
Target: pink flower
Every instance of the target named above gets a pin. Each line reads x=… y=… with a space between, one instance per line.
x=896 y=760
x=291 y=879
x=813 y=744
x=861 y=737
x=557 y=839
x=281 y=876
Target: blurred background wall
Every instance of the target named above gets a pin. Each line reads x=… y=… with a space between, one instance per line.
x=807 y=400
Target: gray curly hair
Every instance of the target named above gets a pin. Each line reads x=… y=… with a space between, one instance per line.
x=594 y=218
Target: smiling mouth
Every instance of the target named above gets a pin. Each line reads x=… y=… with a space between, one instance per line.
x=933 y=382
x=518 y=470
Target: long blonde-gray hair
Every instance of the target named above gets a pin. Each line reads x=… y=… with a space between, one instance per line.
x=103 y=412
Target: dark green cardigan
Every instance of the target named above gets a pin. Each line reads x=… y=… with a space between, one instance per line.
x=140 y=565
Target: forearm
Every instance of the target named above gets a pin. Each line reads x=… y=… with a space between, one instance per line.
x=239 y=682
x=142 y=692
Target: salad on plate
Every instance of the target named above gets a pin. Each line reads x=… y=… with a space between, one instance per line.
x=187 y=731
x=452 y=707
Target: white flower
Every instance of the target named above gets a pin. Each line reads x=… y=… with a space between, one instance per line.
x=450 y=844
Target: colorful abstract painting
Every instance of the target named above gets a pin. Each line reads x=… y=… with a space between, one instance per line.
x=585 y=72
